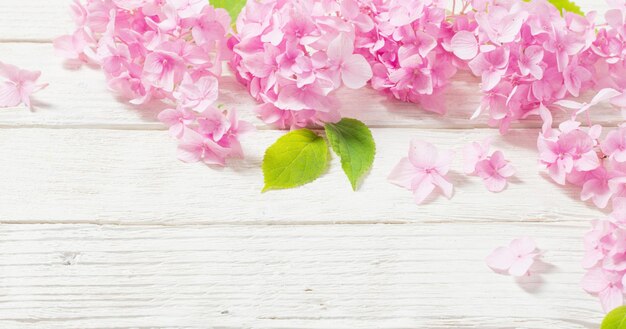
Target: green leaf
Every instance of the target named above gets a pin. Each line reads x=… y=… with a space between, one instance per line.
x=297 y=158
x=353 y=142
x=616 y=319
x=567 y=5
x=233 y=7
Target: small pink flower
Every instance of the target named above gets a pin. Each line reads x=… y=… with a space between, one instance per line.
x=607 y=285
x=354 y=69
x=19 y=85
x=596 y=187
x=424 y=169
x=530 y=60
x=163 y=70
x=177 y=120
x=194 y=147
x=494 y=171
x=516 y=259
x=199 y=94
x=491 y=66
x=614 y=145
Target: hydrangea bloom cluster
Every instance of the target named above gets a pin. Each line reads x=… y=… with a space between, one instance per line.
x=292 y=55
x=605 y=258
x=526 y=54
x=406 y=46
x=167 y=50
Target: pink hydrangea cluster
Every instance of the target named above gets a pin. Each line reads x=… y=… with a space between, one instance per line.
x=406 y=46
x=526 y=54
x=292 y=55
x=166 y=50
x=605 y=258
x=581 y=157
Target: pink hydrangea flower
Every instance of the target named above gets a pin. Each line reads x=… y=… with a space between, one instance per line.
x=18 y=85
x=494 y=171
x=571 y=148
x=516 y=259
x=492 y=167
x=423 y=170
x=614 y=145
x=607 y=285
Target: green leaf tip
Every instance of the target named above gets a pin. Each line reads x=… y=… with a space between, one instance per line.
x=297 y=158
x=616 y=319
x=353 y=142
x=567 y=5
x=233 y=7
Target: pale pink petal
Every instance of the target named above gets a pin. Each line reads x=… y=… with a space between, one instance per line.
x=355 y=72
x=521 y=266
x=500 y=259
x=611 y=298
x=403 y=173
x=594 y=281
x=9 y=95
x=495 y=183
x=423 y=154
x=523 y=246
x=422 y=189
x=444 y=185
x=464 y=45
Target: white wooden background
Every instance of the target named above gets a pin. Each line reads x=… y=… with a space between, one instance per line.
x=101 y=226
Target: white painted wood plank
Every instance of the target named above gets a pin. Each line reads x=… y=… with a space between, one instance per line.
x=80 y=98
x=43 y=20
x=131 y=177
x=310 y=276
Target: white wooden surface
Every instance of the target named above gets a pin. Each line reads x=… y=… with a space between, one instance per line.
x=101 y=227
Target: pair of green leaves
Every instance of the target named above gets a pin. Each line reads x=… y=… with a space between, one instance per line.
x=616 y=319
x=301 y=156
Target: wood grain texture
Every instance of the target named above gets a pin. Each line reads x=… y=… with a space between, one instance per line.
x=297 y=276
x=129 y=177
x=101 y=226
